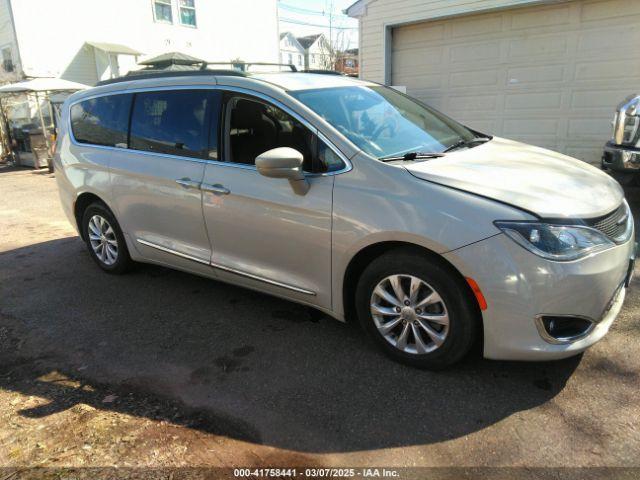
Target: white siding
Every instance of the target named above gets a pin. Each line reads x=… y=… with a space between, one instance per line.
x=7 y=39
x=320 y=59
x=290 y=46
x=52 y=37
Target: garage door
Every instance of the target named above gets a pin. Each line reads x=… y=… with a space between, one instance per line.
x=546 y=75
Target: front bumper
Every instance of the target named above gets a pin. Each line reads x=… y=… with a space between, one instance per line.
x=519 y=286
x=620 y=159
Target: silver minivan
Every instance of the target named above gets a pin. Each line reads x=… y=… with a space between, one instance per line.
x=354 y=199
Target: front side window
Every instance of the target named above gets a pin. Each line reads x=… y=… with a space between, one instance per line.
x=188 y=12
x=102 y=120
x=171 y=122
x=299 y=60
x=162 y=11
x=254 y=127
x=383 y=122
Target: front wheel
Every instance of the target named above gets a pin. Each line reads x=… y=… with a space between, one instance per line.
x=417 y=309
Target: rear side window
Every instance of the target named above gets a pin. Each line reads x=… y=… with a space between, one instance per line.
x=102 y=120
x=171 y=122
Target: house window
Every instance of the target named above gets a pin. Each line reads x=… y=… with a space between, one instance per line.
x=162 y=11
x=188 y=12
x=313 y=58
x=290 y=59
x=7 y=60
x=299 y=60
x=350 y=63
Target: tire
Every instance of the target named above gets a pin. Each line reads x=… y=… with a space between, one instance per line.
x=107 y=232
x=456 y=317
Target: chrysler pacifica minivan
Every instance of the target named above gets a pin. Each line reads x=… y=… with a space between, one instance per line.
x=354 y=199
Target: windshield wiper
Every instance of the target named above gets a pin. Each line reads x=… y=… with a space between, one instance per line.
x=412 y=156
x=466 y=143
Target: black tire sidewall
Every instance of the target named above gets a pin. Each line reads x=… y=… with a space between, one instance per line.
x=463 y=315
x=123 y=262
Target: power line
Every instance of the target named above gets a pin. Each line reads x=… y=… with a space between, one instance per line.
x=300 y=22
x=306 y=11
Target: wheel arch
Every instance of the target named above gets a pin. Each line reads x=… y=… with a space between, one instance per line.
x=80 y=205
x=367 y=254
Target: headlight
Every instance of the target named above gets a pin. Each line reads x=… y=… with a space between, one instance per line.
x=556 y=242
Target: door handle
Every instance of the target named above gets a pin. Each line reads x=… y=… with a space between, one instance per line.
x=217 y=189
x=188 y=183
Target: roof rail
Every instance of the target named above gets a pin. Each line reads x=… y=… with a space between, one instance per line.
x=186 y=73
x=244 y=66
x=322 y=72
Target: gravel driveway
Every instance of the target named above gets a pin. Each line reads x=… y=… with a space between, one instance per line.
x=160 y=368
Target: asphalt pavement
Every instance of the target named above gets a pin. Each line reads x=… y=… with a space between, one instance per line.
x=250 y=379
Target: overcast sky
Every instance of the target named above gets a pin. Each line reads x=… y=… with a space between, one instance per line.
x=307 y=17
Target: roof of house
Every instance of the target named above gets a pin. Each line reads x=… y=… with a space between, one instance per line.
x=357 y=8
x=114 y=48
x=309 y=40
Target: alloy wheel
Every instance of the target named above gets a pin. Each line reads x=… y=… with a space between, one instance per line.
x=103 y=240
x=410 y=314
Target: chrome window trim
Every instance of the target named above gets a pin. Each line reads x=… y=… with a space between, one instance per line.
x=348 y=166
x=226 y=269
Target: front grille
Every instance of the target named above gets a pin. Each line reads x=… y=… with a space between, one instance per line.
x=614 y=224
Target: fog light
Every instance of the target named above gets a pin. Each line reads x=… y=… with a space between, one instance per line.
x=560 y=329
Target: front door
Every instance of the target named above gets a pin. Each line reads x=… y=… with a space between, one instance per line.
x=156 y=185
x=263 y=234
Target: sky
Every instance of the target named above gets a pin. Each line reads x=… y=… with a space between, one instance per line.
x=307 y=17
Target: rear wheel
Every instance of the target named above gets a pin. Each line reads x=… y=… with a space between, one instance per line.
x=104 y=239
x=417 y=309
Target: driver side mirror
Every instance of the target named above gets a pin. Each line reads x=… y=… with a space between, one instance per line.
x=284 y=162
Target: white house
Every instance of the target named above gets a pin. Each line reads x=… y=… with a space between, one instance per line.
x=316 y=52
x=546 y=72
x=89 y=40
x=291 y=52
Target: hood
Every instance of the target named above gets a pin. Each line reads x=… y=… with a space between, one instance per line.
x=540 y=181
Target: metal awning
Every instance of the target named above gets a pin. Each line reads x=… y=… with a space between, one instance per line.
x=42 y=85
x=114 y=48
x=38 y=86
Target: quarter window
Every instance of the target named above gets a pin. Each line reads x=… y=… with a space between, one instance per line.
x=171 y=122
x=102 y=120
x=162 y=11
x=188 y=12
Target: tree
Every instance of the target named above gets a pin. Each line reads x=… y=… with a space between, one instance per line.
x=332 y=49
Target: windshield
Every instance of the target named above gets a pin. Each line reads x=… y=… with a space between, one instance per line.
x=383 y=122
